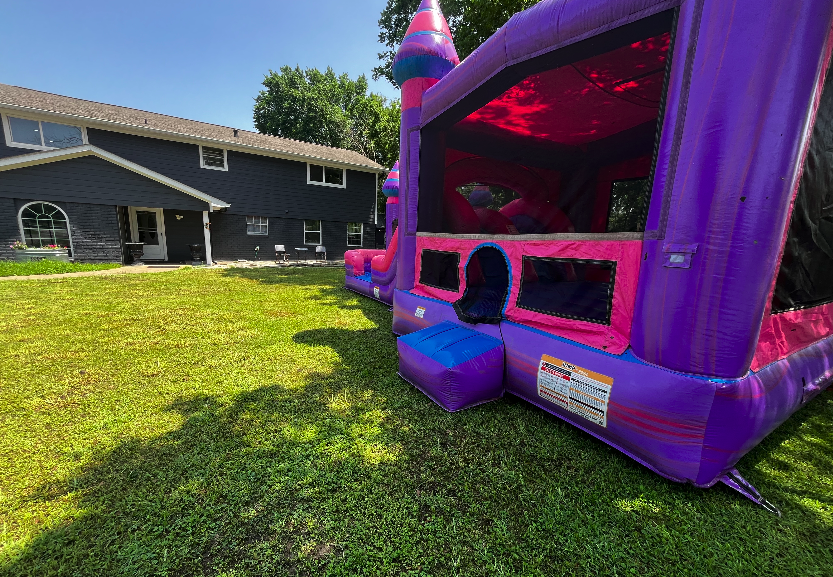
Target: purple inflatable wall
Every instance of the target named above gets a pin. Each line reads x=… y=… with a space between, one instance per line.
x=742 y=88
x=725 y=178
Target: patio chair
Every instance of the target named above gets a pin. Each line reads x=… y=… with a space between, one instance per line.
x=322 y=251
x=280 y=252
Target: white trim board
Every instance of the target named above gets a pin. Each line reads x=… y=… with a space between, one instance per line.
x=35 y=158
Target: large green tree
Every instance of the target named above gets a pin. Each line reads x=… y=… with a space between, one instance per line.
x=329 y=109
x=471 y=22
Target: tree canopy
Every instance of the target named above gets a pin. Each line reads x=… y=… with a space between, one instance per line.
x=471 y=22
x=323 y=108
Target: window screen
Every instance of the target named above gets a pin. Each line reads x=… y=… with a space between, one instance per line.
x=44 y=224
x=569 y=288
x=61 y=135
x=213 y=157
x=316 y=173
x=440 y=270
x=333 y=175
x=805 y=278
x=25 y=131
x=628 y=205
x=257 y=225
x=312 y=232
x=326 y=175
x=47 y=134
x=354 y=234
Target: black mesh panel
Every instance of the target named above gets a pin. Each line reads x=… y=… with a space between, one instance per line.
x=440 y=270
x=806 y=275
x=569 y=288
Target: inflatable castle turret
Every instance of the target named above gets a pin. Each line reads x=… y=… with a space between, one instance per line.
x=391 y=191
x=426 y=55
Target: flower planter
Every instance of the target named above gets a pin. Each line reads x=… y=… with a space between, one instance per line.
x=31 y=254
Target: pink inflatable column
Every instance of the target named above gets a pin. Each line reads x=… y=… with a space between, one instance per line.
x=427 y=54
x=391 y=190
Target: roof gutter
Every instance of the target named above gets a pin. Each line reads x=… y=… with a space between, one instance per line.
x=191 y=139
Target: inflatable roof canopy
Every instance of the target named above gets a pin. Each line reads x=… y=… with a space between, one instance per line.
x=619 y=210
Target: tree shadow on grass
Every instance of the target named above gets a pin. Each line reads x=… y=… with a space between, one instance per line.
x=328 y=281
x=353 y=471
x=233 y=489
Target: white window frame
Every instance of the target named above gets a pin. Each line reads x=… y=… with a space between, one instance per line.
x=324 y=175
x=262 y=218
x=23 y=233
x=320 y=232
x=361 y=234
x=7 y=132
x=224 y=168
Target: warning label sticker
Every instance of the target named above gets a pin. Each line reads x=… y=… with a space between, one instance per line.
x=420 y=312
x=576 y=389
x=376 y=292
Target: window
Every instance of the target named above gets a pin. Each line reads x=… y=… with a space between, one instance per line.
x=326 y=175
x=312 y=232
x=257 y=225
x=41 y=135
x=213 y=158
x=628 y=205
x=354 y=233
x=569 y=288
x=440 y=269
x=43 y=224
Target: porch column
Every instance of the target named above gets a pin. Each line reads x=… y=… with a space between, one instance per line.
x=207 y=234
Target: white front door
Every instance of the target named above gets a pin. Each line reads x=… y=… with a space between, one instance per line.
x=147 y=225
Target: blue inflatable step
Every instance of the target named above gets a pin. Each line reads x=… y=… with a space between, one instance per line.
x=457 y=367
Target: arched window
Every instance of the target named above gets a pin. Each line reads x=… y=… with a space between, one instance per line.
x=42 y=224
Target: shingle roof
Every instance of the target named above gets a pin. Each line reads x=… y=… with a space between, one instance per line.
x=139 y=120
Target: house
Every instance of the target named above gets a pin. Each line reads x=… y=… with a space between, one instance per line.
x=95 y=176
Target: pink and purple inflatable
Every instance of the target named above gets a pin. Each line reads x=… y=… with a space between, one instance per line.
x=619 y=211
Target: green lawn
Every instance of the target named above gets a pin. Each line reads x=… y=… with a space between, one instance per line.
x=250 y=422
x=12 y=268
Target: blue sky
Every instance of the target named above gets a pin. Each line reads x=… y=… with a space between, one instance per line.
x=199 y=60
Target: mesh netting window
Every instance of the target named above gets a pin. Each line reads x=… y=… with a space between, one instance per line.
x=628 y=205
x=439 y=269
x=570 y=288
x=44 y=224
x=805 y=278
x=563 y=144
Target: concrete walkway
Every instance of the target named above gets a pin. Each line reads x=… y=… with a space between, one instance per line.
x=122 y=270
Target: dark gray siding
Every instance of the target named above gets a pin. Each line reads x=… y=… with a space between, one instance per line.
x=95 y=232
x=229 y=240
x=9 y=229
x=254 y=184
x=180 y=233
x=91 y=179
x=94 y=229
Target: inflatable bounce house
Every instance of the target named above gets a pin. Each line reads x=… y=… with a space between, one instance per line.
x=372 y=273
x=621 y=211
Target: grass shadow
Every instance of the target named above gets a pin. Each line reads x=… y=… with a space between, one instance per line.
x=351 y=471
